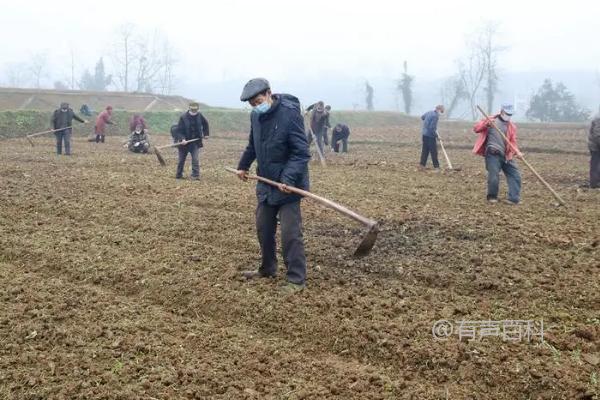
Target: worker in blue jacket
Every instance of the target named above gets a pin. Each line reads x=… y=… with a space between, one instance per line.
x=279 y=145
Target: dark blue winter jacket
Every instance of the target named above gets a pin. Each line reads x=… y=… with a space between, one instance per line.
x=278 y=143
x=430 y=122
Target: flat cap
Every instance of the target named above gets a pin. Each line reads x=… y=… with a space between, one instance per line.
x=254 y=87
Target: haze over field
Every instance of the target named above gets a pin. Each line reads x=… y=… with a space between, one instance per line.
x=315 y=49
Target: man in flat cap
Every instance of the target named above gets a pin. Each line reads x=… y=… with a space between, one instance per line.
x=62 y=120
x=192 y=125
x=278 y=143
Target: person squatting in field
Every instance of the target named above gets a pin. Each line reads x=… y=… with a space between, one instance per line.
x=594 y=146
x=429 y=137
x=499 y=154
x=136 y=120
x=192 y=125
x=278 y=143
x=62 y=120
x=341 y=133
x=104 y=118
x=139 y=141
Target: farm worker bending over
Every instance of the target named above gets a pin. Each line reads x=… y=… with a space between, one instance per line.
x=499 y=155
x=429 y=133
x=104 y=118
x=63 y=118
x=594 y=145
x=192 y=125
x=138 y=141
x=341 y=133
x=278 y=143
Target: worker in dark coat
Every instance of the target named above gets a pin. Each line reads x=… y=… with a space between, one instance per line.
x=192 y=125
x=341 y=133
x=327 y=125
x=319 y=119
x=62 y=120
x=594 y=146
x=278 y=143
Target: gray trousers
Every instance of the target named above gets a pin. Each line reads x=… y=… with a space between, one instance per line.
x=292 y=241
x=65 y=136
x=194 y=150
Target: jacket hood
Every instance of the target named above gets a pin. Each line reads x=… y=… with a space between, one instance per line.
x=288 y=100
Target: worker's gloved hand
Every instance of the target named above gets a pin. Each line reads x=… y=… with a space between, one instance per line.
x=85 y=121
x=243 y=175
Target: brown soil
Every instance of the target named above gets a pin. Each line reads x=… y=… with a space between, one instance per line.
x=119 y=282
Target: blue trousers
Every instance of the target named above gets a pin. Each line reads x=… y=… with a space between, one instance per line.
x=494 y=163
x=429 y=147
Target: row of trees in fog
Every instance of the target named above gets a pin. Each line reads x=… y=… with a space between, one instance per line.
x=137 y=62
x=477 y=78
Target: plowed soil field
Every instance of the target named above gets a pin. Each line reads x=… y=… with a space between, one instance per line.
x=118 y=281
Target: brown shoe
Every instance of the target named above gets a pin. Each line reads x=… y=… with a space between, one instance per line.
x=255 y=274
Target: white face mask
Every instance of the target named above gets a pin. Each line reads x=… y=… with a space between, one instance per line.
x=505 y=117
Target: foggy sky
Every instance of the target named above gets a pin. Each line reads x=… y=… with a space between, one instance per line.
x=290 y=41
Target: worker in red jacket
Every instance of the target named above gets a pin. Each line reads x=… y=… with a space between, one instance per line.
x=499 y=153
x=104 y=118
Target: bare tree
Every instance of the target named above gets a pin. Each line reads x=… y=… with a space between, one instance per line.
x=489 y=52
x=369 y=94
x=143 y=62
x=480 y=65
x=472 y=69
x=453 y=92
x=37 y=68
x=148 y=62
x=167 y=76
x=404 y=86
x=72 y=54
x=122 y=54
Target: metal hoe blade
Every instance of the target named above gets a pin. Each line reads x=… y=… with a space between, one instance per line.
x=367 y=242
x=159 y=156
